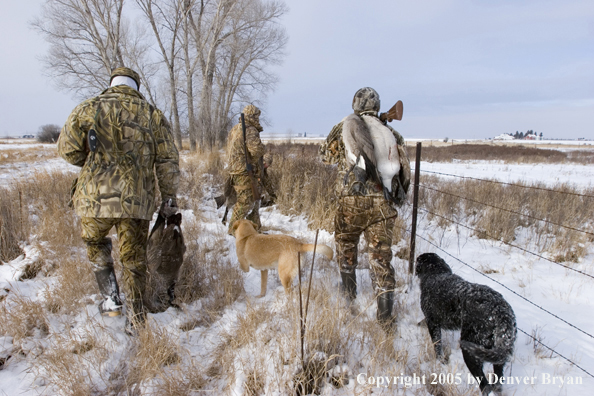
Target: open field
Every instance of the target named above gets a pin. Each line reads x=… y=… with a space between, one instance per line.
x=532 y=241
x=548 y=144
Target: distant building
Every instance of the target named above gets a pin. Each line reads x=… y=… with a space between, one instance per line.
x=504 y=136
x=28 y=137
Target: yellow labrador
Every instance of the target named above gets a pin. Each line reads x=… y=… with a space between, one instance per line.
x=264 y=252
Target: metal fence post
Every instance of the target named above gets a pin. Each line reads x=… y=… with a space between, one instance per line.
x=413 y=232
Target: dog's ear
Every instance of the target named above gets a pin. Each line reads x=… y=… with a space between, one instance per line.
x=235 y=225
x=253 y=224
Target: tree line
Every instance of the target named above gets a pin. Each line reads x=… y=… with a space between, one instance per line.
x=199 y=60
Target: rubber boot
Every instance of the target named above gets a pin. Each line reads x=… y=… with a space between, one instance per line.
x=385 y=302
x=349 y=284
x=108 y=286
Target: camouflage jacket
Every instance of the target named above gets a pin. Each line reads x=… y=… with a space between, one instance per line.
x=131 y=142
x=236 y=152
x=332 y=152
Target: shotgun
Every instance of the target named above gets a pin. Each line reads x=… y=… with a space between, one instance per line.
x=248 y=166
x=395 y=113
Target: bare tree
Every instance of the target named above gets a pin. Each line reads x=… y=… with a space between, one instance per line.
x=229 y=37
x=216 y=52
x=85 y=42
x=212 y=36
x=166 y=18
x=137 y=50
x=243 y=72
x=192 y=45
x=48 y=133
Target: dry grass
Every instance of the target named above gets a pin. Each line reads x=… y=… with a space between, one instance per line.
x=304 y=185
x=513 y=214
x=74 y=285
x=27 y=155
x=45 y=196
x=14 y=223
x=182 y=381
x=65 y=362
x=494 y=152
x=201 y=172
x=155 y=348
x=71 y=363
x=22 y=318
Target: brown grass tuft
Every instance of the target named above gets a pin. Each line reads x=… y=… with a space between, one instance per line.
x=156 y=348
x=74 y=286
x=14 y=223
x=21 y=318
x=544 y=220
x=27 y=155
x=493 y=152
x=303 y=183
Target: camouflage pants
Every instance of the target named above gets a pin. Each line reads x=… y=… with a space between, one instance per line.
x=246 y=207
x=374 y=218
x=132 y=236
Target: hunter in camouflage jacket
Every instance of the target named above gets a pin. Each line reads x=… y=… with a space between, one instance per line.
x=362 y=209
x=332 y=152
x=235 y=146
x=247 y=205
x=131 y=142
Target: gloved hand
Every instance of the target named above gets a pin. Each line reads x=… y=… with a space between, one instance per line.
x=168 y=207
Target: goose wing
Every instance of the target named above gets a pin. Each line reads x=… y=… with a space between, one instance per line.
x=358 y=143
x=387 y=159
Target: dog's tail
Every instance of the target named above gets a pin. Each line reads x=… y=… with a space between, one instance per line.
x=325 y=250
x=497 y=355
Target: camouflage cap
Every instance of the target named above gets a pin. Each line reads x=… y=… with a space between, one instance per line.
x=251 y=111
x=267 y=158
x=252 y=116
x=125 y=71
x=366 y=99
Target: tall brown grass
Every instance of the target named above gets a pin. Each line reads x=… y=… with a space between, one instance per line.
x=14 y=223
x=530 y=215
x=22 y=318
x=27 y=155
x=507 y=154
x=304 y=184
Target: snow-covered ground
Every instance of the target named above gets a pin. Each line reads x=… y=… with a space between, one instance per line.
x=534 y=284
x=575 y=175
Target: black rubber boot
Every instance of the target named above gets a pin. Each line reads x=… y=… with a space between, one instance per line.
x=385 y=302
x=349 y=284
x=108 y=286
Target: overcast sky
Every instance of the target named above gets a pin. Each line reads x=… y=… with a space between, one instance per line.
x=463 y=68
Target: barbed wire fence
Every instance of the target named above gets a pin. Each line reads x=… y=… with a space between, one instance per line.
x=414 y=234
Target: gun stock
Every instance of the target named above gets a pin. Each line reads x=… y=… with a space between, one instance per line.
x=395 y=113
